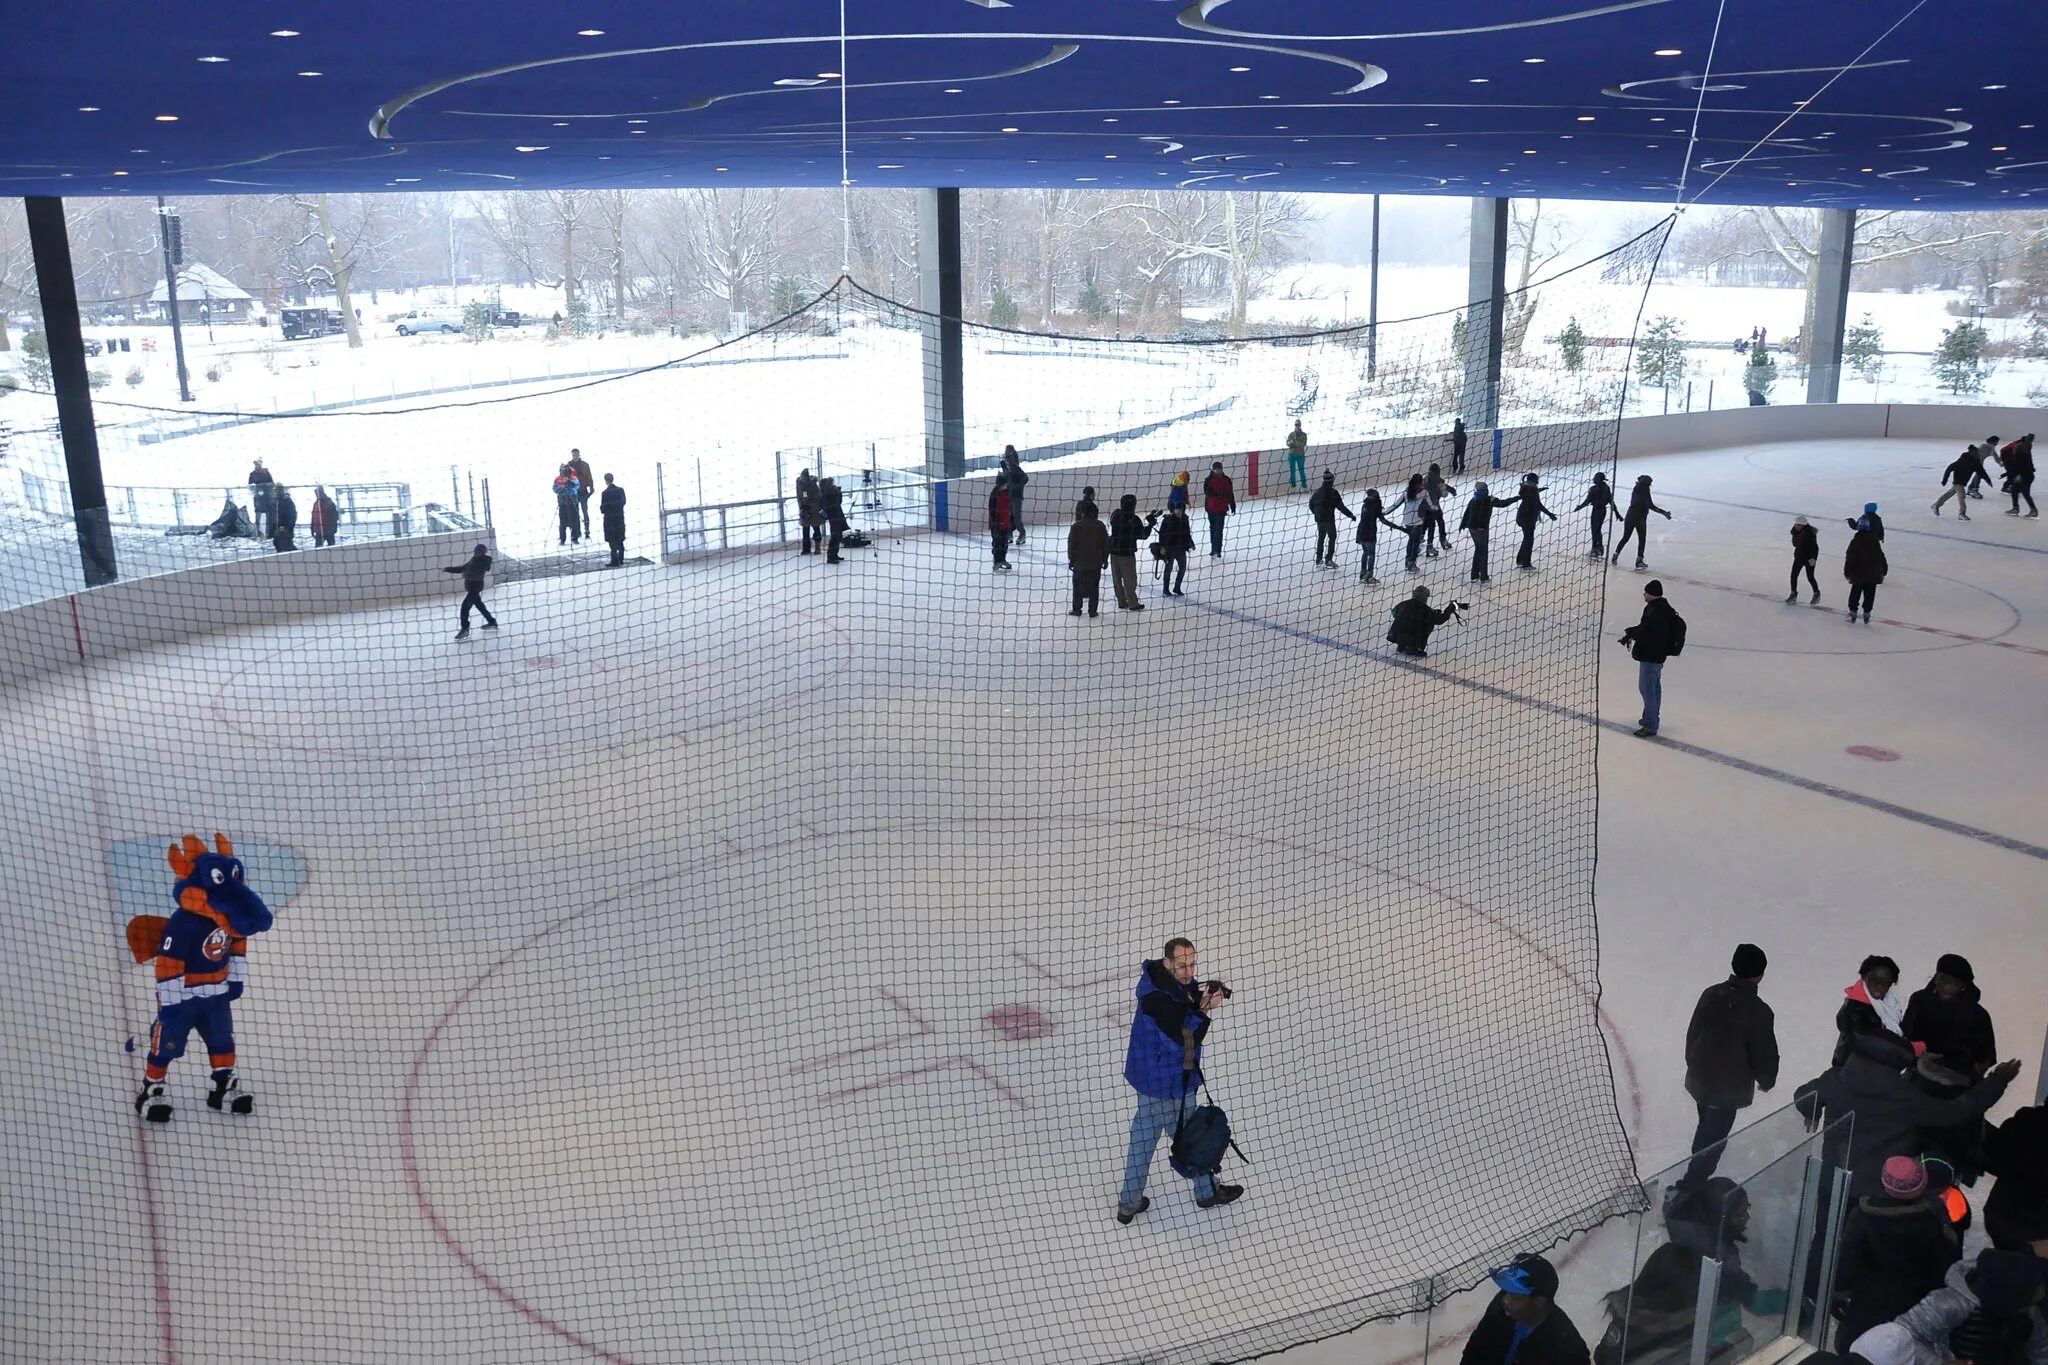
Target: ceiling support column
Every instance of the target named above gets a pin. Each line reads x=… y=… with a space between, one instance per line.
x=1485 y=292
x=1830 y=305
x=51 y=245
x=938 y=294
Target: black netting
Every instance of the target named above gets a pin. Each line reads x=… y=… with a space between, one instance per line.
x=731 y=957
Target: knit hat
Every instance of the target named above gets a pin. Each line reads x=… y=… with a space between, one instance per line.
x=1870 y=508
x=1655 y=587
x=1885 y=1344
x=1180 y=480
x=1799 y=521
x=1421 y=594
x=1904 y=1177
x=1217 y=465
x=1749 y=960
x=482 y=548
x=1957 y=966
x=1642 y=478
x=1129 y=502
x=1329 y=477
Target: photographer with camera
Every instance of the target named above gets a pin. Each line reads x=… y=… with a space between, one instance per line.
x=1415 y=619
x=1164 y=1065
x=1127 y=531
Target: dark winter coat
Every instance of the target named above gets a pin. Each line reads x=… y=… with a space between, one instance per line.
x=2016 y=1151
x=611 y=504
x=999 y=519
x=1372 y=514
x=260 y=482
x=1650 y=641
x=1731 y=1045
x=1870 y=520
x=324 y=518
x=1013 y=474
x=1857 y=1016
x=1413 y=621
x=1957 y=1031
x=1436 y=486
x=1326 y=502
x=284 y=518
x=1599 y=497
x=1219 y=494
x=1805 y=543
x=586 y=482
x=1128 y=530
x=1964 y=467
x=1154 y=1061
x=2019 y=458
x=1176 y=536
x=1864 y=564
x=1894 y=1253
x=1088 y=545
x=1640 y=506
x=832 y=505
x=1530 y=506
x=472 y=570
x=1554 y=1342
x=1894 y=1116
x=807 y=500
x=1479 y=511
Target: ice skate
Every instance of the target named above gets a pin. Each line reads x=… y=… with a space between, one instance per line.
x=1811 y=600
x=227 y=1094
x=1936 y=509
x=1791 y=597
x=2034 y=513
x=152 y=1104
x=462 y=634
x=490 y=625
x=2013 y=512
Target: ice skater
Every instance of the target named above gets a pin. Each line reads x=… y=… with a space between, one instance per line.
x=1324 y=504
x=611 y=511
x=1865 y=567
x=1013 y=473
x=1658 y=636
x=1163 y=1063
x=1087 y=552
x=1127 y=531
x=999 y=523
x=1805 y=552
x=201 y=956
x=2019 y=474
x=1531 y=499
x=1478 y=524
x=1870 y=520
x=1731 y=1053
x=1411 y=520
x=1372 y=514
x=807 y=516
x=1297 y=456
x=1958 y=475
x=1219 y=500
x=1987 y=455
x=473 y=570
x=1176 y=542
x=1433 y=532
x=1636 y=522
x=1599 y=497
x=832 y=507
x=1457 y=439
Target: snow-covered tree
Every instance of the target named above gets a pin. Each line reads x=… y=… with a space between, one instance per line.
x=1863 y=348
x=1660 y=355
x=1959 y=361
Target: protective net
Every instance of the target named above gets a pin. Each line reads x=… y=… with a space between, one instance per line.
x=731 y=955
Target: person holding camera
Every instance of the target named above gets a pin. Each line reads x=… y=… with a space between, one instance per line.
x=1324 y=504
x=1164 y=1065
x=1414 y=620
x=1127 y=531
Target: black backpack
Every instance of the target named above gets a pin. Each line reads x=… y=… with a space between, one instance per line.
x=1200 y=1141
x=1677 y=645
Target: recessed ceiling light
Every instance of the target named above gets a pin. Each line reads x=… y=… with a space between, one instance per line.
x=312 y=73
x=138 y=151
x=1009 y=130
x=166 y=118
x=88 y=108
x=213 y=59
x=718 y=168
x=1269 y=97
x=890 y=166
x=828 y=75
x=1528 y=151
x=1279 y=127
x=2001 y=149
x=1534 y=61
x=798 y=82
x=1083 y=179
x=1993 y=87
x=1670 y=52
x=590 y=33
x=561 y=125
x=284 y=33
x=1109 y=120
x=529 y=149
x=953 y=90
x=1477 y=80
x=1450 y=144
x=1868 y=169
x=1429 y=125
x=1585 y=118
x=1240 y=70
x=1169 y=101
x=637 y=132
x=120 y=172
x=636 y=120
x=406 y=180
x=1109 y=156
x=1651 y=148
x=1953 y=109
x=1301 y=139
x=1564 y=137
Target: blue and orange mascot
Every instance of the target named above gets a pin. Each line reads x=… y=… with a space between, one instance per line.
x=200 y=954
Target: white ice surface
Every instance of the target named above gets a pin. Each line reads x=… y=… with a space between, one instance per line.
x=586 y=1125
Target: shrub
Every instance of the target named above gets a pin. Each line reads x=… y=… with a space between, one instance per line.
x=98 y=379
x=477 y=321
x=1760 y=373
x=35 y=361
x=1863 y=348
x=1959 y=362
x=1002 y=310
x=1571 y=345
x=134 y=375
x=213 y=374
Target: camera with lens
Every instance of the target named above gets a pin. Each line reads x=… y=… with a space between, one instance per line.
x=1218 y=987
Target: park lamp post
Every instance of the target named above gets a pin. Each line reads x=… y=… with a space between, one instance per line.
x=671 y=309
x=1119 y=297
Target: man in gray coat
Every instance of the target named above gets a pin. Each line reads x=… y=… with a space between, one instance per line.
x=1894 y=1116
x=1731 y=1052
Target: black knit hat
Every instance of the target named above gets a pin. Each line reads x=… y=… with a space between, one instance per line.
x=1749 y=961
x=1957 y=966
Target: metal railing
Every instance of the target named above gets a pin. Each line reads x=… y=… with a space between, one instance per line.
x=363 y=509
x=875 y=499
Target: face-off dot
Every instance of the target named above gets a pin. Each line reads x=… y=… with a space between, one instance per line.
x=1019 y=1023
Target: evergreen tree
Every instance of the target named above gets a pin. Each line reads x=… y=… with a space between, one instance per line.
x=1660 y=357
x=1571 y=344
x=477 y=322
x=1761 y=372
x=1959 y=363
x=579 y=323
x=1093 y=301
x=1863 y=348
x=1002 y=310
x=35 y=361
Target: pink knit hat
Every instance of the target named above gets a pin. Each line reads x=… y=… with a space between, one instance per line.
x=1904 y=1177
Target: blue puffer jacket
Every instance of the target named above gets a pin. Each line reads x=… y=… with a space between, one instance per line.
x=1152 y=1065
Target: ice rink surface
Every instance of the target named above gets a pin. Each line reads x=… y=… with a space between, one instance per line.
x=509 y=1070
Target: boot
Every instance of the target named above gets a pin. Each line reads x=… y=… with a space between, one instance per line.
x=151 y=1103
x=227 y=1094
x=462 y=634
x=1225 y=1194
x=1144 y=1202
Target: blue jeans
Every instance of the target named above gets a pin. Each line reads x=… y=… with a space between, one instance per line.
x=1297 y=471
x=1154 y=1117
x=1650 y=682
x=1368 y=554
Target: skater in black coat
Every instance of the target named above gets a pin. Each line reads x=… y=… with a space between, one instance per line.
x=2019 y=474
x=1531 y=507
x=1948 y=1017
x=1176 y=542
x=1324 y=504
x=1433 y=508
x=1893 y=1112
x=1958 y=475
x=1414 y=620
x=1457 y=445
x=611 y=510
x=1372 y=514
x=1805 y=554
x=807 y=514
x=832 y=507
x=1865 y=566
x=473 y=570
x=1636 y=521
x=284 y=519
x=1600 y=497
x=1478 y=523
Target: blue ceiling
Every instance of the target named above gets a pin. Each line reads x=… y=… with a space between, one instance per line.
x=1566 y=98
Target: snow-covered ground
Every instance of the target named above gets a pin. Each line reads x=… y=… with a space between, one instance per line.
x=730 y=962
